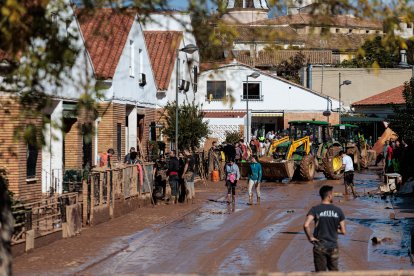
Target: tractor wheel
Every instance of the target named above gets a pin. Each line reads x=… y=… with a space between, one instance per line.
x=307 y=168
x=332 y=164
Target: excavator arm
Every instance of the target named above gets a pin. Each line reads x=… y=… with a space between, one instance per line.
x=296 y=144
x=276 y=143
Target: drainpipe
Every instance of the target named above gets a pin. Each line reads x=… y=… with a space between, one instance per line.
x=309 y=76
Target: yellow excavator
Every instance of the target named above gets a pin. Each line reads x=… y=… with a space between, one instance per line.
x=289 y=158
x=275 y=144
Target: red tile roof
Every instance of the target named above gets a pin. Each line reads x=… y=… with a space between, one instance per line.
x=392 y=96
x=345 y=21
x=162 y=46
x=105 y=32
x=265 y=59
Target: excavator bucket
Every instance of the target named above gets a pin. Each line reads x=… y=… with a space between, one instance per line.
x=278 y=169
x=272 y=169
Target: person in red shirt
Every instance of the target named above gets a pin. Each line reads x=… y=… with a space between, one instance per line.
x=245 y=153
x=105 y=158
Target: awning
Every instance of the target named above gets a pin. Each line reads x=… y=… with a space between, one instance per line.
x=69 y=110
x=361 y=119
x=267 y=114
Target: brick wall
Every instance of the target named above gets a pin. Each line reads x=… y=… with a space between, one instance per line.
x=111 y=114
x=13 y=152
x=317 y=116
x=150 y=116
x=73 y=145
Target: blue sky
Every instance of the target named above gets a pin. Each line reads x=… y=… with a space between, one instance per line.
x=179 y=4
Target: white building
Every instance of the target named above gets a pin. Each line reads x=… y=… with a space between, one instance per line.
x=273 y=101
x=114 y=62
x=165 y=33
x=246 y=11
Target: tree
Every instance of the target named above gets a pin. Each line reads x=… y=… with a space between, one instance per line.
x=289 y=69
x=191 y=128
x=403 y=120
x=6 y=227
x=376 y=53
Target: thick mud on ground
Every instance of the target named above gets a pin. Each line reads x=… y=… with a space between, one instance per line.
x=221 y=238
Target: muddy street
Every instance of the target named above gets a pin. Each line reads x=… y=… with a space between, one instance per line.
x=220 y=238
x=268 y=237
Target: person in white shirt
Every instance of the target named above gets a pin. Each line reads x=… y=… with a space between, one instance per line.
x=348 y=165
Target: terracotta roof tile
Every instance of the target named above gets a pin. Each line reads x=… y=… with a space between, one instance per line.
x=323 y=20
x=335 y=41
x=392 y=96
x=224 y=114
x=105 y=32
x=266 y=33
x=162 y=47
x=276 y=57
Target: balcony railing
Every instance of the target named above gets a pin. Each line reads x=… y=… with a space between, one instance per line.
x=252 y=97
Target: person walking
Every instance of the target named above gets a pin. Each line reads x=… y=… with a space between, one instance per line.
x=188 y=175
x=173 y=177
x=239 y=153
x=232 y=176
x=255 y=177
x=348 y=165
x=329 y=222
x=244 y=149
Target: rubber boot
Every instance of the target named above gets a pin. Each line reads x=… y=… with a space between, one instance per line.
x=251 y=200
x=258 y=200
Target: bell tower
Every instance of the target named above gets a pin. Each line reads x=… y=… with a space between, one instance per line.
x=246 y=11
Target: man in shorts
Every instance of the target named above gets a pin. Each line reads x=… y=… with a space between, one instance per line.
x=329 y=222
x=348 y=165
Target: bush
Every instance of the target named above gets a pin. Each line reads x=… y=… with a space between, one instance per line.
x=233 y=137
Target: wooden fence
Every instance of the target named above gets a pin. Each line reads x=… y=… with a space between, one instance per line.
x=44 y=217
x=109 y=191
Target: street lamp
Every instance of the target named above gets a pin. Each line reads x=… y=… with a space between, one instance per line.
x=254 y=75
x=188 y=49
x=345 y=82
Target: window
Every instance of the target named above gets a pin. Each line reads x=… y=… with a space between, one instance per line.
x=367 y=31
x=217 y=90
x=31 y=160
x=350 y=31
x=141 y=62
x=31 y=151
x=119 y=140
x=254 y=91
x=338 y=31
x=195 y=71
x=409 y=25
x=132 y=59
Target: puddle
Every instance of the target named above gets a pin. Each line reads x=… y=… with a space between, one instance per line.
x=269 y=232
x=398 y=233
x=236 y=262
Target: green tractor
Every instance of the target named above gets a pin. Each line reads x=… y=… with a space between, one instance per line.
x=323 y=148
x=354 y=144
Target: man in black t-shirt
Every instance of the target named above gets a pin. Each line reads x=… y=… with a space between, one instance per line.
x=329 y=222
